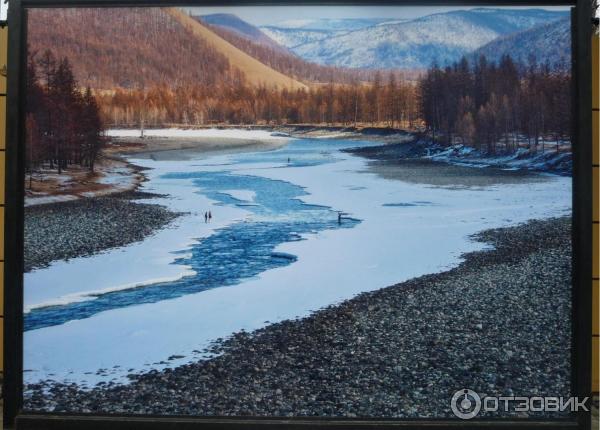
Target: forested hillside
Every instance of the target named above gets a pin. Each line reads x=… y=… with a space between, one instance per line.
x=548 y=43
x=126 y=47
x=160 y=66
x=290 y=64
x=143 y=47
x=255 y=73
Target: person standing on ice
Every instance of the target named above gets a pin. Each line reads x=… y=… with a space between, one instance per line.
x=205 y=217
x=209 y=216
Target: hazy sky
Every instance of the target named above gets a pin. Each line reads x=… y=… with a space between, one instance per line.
x=265 y=15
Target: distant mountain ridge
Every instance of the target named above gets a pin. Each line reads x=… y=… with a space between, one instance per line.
x=331 y=24
x=286 y=62
x=293 y=33
x=549 y=43
x=412 y=44
x=294 y=37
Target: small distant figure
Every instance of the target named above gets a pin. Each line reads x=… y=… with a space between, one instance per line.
x=288 y=160
x=339 y=218
x=205 y=217
x=209 y=216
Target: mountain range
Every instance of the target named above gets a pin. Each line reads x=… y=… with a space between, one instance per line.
x=409 y=44
x=295 y=32
x=543 y=43
x=143 y=47
x=331 y=24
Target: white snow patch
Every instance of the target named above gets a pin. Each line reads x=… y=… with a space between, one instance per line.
x=228 y=133
x=41 y=200
x=90 y=295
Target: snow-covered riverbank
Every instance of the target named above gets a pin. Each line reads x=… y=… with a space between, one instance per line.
x=546 y=158
x=405 y=230
x=166 y=143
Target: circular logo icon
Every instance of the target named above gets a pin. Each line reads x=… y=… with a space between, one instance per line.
x=465 y=404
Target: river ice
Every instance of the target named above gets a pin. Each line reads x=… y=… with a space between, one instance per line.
x=393 y=231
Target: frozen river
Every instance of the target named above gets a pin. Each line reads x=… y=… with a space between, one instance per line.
x=275 y=249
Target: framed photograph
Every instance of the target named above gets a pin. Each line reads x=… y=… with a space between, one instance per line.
x=252 y=215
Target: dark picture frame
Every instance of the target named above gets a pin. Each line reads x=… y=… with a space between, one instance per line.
x=14 y=242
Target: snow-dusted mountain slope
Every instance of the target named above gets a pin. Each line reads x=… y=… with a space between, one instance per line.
x=415 y=44
x=295 y=32
x=344 y=24
x=292 y=37
x=547 y=42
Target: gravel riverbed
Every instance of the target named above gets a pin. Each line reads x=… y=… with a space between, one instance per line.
x=60 y=231
x=499 y=324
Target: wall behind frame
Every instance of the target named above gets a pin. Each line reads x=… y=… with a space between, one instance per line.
x=596 y=199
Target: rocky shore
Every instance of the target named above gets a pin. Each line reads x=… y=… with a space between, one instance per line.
x=498 y=324
x=60 y=231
